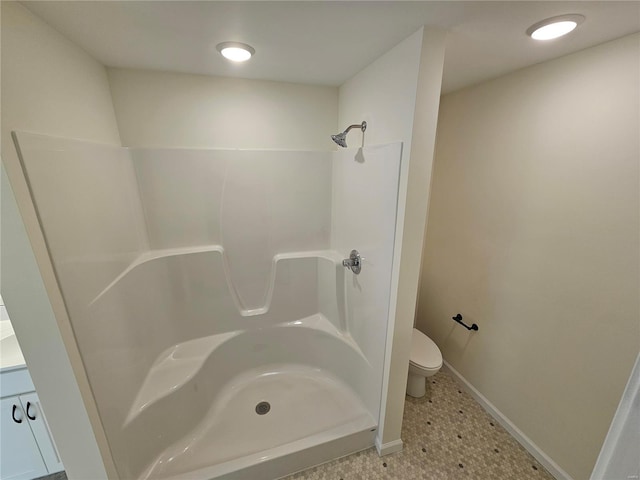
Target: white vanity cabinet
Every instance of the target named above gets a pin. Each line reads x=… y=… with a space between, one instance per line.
x=27 y=450
x=38 y=423
x=21 y=458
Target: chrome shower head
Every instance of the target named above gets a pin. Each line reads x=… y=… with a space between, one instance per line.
x=341 y=138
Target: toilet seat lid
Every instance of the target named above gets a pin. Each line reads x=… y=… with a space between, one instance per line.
x=424 y=352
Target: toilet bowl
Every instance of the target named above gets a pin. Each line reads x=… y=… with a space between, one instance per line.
x=426 y=361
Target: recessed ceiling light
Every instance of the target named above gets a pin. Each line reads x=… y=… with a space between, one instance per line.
x=236 y=52
x=554 y=27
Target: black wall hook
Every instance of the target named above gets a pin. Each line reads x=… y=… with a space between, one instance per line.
x=458 y=318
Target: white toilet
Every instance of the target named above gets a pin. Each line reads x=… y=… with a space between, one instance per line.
x=426 y=361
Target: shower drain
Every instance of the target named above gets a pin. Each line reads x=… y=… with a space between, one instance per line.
x=263 y=408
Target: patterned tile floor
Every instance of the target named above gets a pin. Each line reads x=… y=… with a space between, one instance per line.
x=447 y=435
x=54 y=476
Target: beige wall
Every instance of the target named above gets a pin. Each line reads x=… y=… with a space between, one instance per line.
x=48 y=86
x=533 y=234
x=397 y=95
x=181 y=110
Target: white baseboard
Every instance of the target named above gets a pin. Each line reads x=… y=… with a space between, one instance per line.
x=388 y=448
x=553 y=468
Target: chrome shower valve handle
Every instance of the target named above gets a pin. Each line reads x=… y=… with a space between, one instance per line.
x=354 y=262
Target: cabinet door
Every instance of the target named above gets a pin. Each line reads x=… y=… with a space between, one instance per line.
x=20 y=457
x=40 y=428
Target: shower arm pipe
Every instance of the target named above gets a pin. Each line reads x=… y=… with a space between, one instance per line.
x=362 y=126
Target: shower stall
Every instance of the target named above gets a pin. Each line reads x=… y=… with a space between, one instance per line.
x=221 y=334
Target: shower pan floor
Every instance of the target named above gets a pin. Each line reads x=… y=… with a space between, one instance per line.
x=306 y=407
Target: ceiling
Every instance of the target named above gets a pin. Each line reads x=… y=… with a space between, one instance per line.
x=326 y=42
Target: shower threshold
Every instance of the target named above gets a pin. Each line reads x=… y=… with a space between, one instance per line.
x=269 y=423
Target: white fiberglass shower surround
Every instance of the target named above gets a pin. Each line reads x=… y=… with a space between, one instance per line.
x=221 y=335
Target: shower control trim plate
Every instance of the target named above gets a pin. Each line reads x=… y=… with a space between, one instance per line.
x=354 y=262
